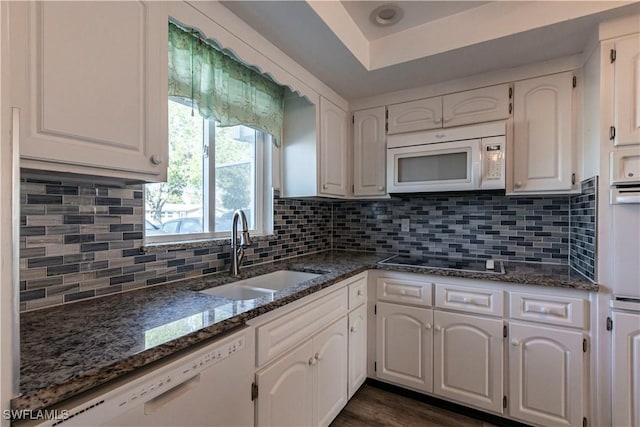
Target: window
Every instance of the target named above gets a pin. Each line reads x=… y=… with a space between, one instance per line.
x=212 y=171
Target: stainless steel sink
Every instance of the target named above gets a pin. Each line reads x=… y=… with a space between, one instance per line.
x=260 y=286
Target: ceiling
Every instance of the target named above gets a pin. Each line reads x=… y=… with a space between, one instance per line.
x=435 y=41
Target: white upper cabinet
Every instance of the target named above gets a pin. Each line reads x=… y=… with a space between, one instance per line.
x=334 y=150
x=476 y=106
x=543 y=138
x=90 y=80
x=626 y=90
x=422 y=114
x=369 y=155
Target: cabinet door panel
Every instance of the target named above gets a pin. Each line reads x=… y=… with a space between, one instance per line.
x=476 y=106
x=422 y=114
x=357 y=348
x=468 y=359
x=333 y=149
x=286 y=390
x=96 y=101
x=545 y=375
x=626 y=369
x=330 y=372
x=627 y=91
x=369 y=152
x=405 y=345
x=542 y=143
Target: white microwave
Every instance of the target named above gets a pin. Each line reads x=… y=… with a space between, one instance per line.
x=457 y=159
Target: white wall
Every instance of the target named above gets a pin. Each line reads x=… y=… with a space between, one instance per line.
x=6 y=261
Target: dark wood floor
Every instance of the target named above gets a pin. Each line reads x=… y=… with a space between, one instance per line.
x=374 y=407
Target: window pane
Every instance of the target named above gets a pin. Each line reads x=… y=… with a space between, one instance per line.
x=235 y=149
x=168 y=204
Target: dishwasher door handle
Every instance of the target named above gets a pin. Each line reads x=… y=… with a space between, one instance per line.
x=174 y=392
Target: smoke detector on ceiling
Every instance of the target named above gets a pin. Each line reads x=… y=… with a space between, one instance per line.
x=386 y=15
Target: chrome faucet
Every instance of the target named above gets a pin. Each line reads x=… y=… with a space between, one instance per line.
x=237 y=251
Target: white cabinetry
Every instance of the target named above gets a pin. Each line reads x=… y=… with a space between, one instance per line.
x=626 y=369
x=404 y=347
x=90 y=80
x=357 y=333
x=369 y=155
x=315 y=148
x=286 y=390
x=626 y=90
x=334 y=153
x=456 y=109
x=476 y=106
x=308 y=385
x=546 y=368
x=543 y=135
x=423 y=114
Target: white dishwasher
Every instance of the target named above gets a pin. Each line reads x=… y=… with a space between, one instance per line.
x=208 y=387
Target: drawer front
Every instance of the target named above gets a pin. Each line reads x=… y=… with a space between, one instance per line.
x=563 y=311
x=404 y=291
x=358 y=292
x=281 y=334
x=469 y=299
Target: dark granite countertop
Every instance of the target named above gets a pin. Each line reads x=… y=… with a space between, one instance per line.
x=69 y=349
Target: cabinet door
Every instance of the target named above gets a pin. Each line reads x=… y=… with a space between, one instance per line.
x=545 y=375
x=333 y=149
x=286 y=390
x=330 y=372
x=357 y=348
x=476 y=106
x=468 y=359
x=369 y=152
x=542 y=140
x=422 y=114
x=404 y=345
x=627 y=91
x=626 y=369
x=90 y=79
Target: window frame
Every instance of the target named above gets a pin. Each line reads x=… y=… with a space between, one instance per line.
x=261 y=187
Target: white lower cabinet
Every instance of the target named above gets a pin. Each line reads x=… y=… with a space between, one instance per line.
x=308 y=385
x=286 y=390
x=357 y=348
x=626 y=369
x=546 y=368
x=468 y=359
x=404 y=347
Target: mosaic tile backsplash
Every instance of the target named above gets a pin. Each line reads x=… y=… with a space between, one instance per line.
x=81 y=241
x=470 y=226
x=582 y=256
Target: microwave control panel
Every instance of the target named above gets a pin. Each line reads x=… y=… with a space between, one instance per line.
x=493 y=163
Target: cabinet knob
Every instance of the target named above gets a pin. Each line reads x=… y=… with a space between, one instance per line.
x=381 y=188
x=518 y=184
x=316 y=356
x=325 y=186
x=312 y=361
x=427 y=326
x=156 y=160
x=514 y=343
x=437 y=328
x=440 y=135
x=359 y=293
x=353 y=329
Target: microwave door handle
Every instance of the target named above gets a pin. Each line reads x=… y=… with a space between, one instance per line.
x=619 y=197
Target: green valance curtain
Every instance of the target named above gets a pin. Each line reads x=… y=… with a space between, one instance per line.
x=222 y=87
